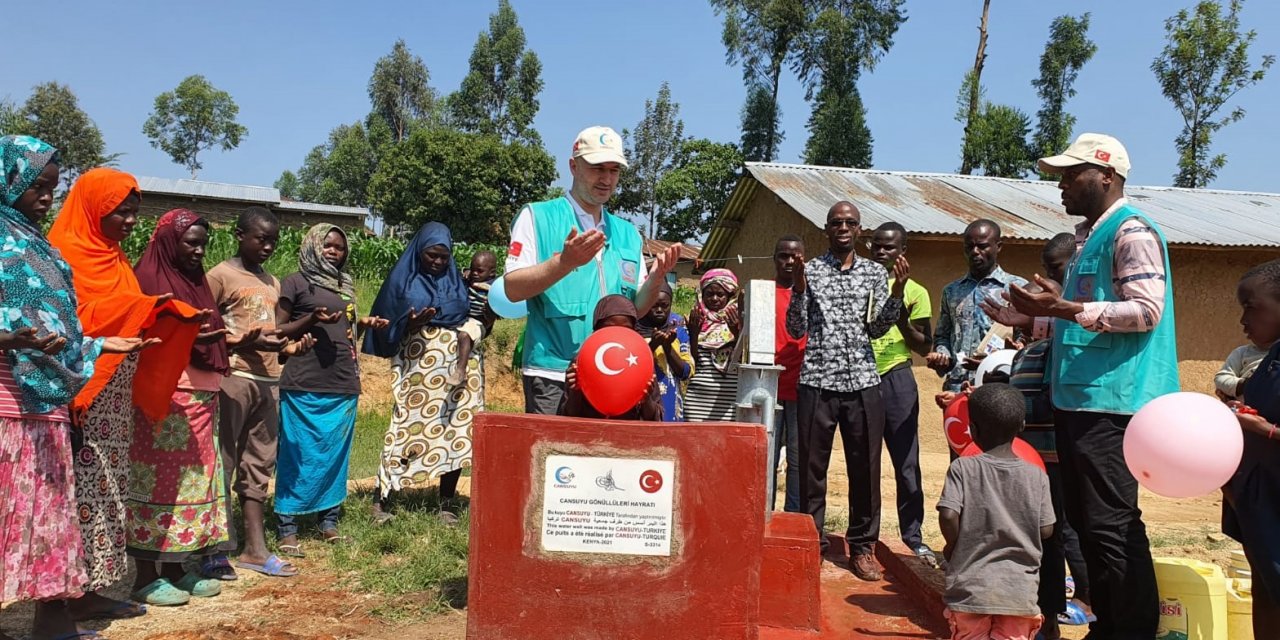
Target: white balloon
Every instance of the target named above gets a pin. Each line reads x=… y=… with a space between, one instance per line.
x=1001 y=358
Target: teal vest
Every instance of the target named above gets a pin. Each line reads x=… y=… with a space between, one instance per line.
x=560 y=318
x=1112 y=372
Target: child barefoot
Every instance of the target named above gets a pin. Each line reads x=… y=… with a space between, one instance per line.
x=484 y=267
x=993 y=578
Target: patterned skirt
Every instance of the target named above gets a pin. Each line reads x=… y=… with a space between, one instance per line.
x=105 y=430
x=39 y=538
x=175 y=506
x=430 y=432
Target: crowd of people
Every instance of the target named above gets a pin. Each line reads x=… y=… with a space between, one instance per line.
x=136 y=402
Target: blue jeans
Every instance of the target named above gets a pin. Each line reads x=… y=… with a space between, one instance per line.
x=787 y=431
x=289 y=524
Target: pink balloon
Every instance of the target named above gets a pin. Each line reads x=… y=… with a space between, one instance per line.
x=1183 y=445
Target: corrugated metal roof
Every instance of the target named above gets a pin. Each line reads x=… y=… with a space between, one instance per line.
x=214 y=190
x=944 y=204
x=311 y=207
x=653 y=247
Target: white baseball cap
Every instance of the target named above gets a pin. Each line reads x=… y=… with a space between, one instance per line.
x=1090 y=148
x=598 y=145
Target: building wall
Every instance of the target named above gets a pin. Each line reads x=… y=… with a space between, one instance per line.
x=226 y=212
x=1204 y=278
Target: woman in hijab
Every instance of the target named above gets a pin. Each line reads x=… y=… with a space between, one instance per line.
x=319 y=390
x=45 y=359
x=430 y=432
x=176 y=504
x=100 y=212
x=714 y=326
x=672 y=358
x=612 y=311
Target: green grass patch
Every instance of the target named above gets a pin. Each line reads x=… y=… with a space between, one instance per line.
x=366 y=449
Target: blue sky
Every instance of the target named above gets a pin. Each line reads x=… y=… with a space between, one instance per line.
x=297 y=69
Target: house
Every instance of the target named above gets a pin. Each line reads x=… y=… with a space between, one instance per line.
x=1214 y=236
x=222 y=203
x=686 y=264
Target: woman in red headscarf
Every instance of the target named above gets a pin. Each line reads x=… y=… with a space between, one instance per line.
x=100 y=211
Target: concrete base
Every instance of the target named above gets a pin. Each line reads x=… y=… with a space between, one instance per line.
x=790 y=580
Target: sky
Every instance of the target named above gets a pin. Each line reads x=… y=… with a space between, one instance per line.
x=298 y=69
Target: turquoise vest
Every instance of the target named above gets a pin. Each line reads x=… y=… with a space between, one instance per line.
x=560 y=318
x=1112 y=372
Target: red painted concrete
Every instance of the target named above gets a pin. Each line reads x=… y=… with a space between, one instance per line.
x=708 y=587
x=790 y=580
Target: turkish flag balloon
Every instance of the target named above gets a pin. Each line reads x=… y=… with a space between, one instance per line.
x=614 y=369
x=955 y=424
x=1021 y=448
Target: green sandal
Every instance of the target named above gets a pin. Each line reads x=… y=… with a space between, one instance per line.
x=199 y=586
x=162 y=593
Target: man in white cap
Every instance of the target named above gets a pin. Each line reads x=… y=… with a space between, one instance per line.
x=1114 y=349
x=566 y=254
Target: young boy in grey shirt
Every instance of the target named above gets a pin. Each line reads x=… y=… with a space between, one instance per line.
x=994 y=512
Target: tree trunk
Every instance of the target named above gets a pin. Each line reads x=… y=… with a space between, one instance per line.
x=966 y=163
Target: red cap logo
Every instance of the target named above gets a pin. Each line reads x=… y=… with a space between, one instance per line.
x=1102 y=155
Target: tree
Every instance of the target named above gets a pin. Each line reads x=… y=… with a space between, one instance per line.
x=1204 y=64
x=499 y=95
x=192 y=118
x=336 y=172
x=763 y=36
x=472 y=182
x=845 y=38
x=971 y=92
x=650 y=150
x=400 y=91
x=288 y=186
x=52 y=113
x=1067 y=50
x=999 y=141
x=697 y=188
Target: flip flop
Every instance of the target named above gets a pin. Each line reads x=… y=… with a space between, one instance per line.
x=218 y=567
x=292 y=550
x=199 y=586
x=162 y=593
x=1075 y=616
x=274 y=567
x=125 y=609
x=337 y=539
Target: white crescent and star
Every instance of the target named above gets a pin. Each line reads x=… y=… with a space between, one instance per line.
x=946 y=425
x=632 y=360
x=648 y=481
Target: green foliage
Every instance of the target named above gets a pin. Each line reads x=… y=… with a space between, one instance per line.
x=1204 y=64
x=998 y=141
x=192 y=118
x=52 y=113
x=697 y=188
x=499 y=95
x=651 y=148
x=336 y=172
x=474 y=183
x=838 y=132
x=1067 y=50
x=400 y=92
x=683 y=299
x=761 y=119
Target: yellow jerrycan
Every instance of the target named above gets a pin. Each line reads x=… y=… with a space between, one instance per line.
x=1193 y=602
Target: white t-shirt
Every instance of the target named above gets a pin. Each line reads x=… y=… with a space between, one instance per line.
x=523 y=252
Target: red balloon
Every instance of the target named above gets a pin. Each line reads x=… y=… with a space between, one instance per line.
x=614 y=369
x=955 y=424
x=1021 y=448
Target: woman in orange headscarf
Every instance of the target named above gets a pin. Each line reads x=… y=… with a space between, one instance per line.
x=100 y=211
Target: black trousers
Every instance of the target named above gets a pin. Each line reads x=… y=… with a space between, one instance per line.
x=901 y=401
x=542 y=395
x=859 y=417
x=1061 y=550
x=1101 y=499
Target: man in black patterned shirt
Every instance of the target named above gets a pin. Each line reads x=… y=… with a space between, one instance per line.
x=841 y=302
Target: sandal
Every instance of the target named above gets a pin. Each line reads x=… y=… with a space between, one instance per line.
x=218 y=567
x=292 y=550
x=1075 y=616
x=162 y=593
x=274 y=567
x=199 y=586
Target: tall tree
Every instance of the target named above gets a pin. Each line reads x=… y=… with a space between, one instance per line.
x=10 y=121
x=52 y=113
x=763 y=35
x=846 y=37
x=1067 y=50
x=192 y=118
x=400 y=90
x=650 y=151
x=470 y=181
x=336 y=172
x=998 y=142
x=971 y=90
x=697 y=188
x=1204 y=64
x=288 y=185
x=499 y=95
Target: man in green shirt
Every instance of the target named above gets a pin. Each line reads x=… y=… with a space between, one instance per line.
x=898 y=391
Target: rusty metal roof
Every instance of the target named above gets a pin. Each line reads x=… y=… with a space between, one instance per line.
x=653 y=247
x=944 y=204
x=268 y=196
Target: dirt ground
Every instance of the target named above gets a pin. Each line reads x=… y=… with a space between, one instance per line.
x=317 y=606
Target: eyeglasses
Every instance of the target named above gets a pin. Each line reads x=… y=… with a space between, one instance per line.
x=852 y=224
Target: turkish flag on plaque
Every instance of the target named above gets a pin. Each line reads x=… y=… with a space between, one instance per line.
x=614 y=368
